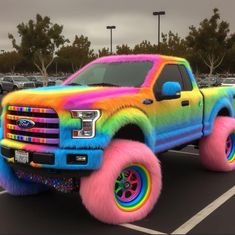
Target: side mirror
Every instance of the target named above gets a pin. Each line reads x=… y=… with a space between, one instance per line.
x=170 y=90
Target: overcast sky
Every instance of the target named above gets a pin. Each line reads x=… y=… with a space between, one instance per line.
x=133 y=18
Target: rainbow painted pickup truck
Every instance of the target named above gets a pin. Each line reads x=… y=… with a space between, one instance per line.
x=98 y=133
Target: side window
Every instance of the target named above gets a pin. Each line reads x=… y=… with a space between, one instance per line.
x=169 y=73
x=186 y=78
x=6 y=79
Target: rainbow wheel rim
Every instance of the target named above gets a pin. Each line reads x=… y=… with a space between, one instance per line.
x=132 y=187
x=230 y=148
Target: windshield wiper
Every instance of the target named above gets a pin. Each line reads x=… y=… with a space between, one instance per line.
x=102 y=84
x=74 y=84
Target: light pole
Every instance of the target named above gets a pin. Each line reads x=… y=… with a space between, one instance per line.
x=159 y=13
x=111 y=27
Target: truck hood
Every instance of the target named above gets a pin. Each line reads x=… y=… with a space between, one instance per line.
x=68 y=97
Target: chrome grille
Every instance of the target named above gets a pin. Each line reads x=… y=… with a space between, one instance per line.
x=46 y=128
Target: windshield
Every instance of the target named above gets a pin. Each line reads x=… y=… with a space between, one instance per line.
x=20 y=79
x=229 y=81
x=113 y=74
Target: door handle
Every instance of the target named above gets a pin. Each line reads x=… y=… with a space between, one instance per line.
x=185 y=103
x=147 y=101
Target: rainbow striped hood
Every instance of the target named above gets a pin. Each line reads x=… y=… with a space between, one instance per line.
x=68 y=97
x=63 y=99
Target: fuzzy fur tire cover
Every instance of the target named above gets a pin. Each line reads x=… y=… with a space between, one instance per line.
x=217 y=150
x=97 y=190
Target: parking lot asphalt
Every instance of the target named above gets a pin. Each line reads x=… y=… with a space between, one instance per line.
x=193 y=201
x=187 y=189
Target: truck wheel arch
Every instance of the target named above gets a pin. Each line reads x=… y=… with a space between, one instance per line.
x=130 y=119
x=224 y=112
x=222 y=108
x=130 y=132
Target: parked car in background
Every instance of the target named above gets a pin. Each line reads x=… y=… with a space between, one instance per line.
x=203 y=84
x=51 y=81
x=40 y=79
x=60 y=80
x=217 y=81
x=37 y=80
x=228 y=82
x=12 y=83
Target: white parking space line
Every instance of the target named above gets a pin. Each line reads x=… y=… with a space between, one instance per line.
x=3 y=192
x=183 y=152
x=141 y=229
x=201 y=215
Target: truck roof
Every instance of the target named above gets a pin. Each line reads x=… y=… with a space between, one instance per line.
x=139 y=57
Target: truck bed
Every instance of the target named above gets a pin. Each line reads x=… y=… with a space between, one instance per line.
x=217 y=100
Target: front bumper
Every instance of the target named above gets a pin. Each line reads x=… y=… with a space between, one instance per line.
x=52 y=158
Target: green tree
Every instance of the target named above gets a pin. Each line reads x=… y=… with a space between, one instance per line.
x=210 y=40
x=83 y=50
x=145 y=47
x=173 y=44
x=78 y=54
x=103 y=52
x=228 y=65
x=39 y=41
x=124 y=49
x=67 y=55
x=9 y=61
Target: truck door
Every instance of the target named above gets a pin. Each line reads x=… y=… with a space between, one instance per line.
x=177 y=121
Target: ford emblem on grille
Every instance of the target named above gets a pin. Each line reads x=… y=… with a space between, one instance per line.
x=25 y=123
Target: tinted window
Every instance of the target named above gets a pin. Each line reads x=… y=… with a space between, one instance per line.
x=169 y=73
x=20 y=79
x=7 y=79
x=186 y=79
x=229 y=81
x=31 y=79
x=116 y=73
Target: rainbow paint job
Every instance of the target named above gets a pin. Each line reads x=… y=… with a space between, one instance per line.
x=165 y=123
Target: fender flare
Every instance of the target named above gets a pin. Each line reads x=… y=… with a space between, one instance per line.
x=127 y=116
x=219 y=105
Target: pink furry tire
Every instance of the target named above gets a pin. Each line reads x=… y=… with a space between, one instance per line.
x=126 y=187
x=217 y=151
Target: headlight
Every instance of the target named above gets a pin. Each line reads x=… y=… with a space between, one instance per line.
x=88 y=118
